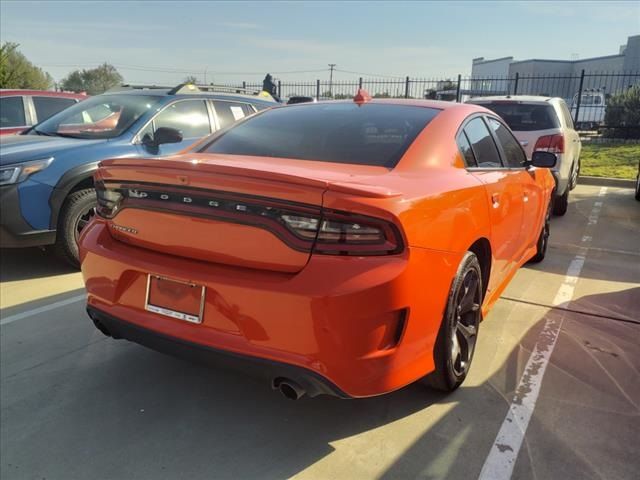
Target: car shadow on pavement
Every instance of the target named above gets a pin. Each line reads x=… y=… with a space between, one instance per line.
x=28 y=263
x=113 y=409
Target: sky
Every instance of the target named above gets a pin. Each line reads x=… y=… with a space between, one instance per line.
x=163 y=42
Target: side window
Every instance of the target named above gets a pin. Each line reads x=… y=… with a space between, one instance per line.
x=465 y=149
x=482 y=144
x=515 y=156
x=231 y=112
x=12 y=112
x=190 y=117
x=48 y=106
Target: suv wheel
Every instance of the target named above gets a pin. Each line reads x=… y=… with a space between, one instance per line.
x=561 y=203
x=77 y=211
x=638 y=187
x=575 y=174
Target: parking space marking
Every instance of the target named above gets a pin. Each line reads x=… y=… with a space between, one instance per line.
x=44 y=308
x=504 y=451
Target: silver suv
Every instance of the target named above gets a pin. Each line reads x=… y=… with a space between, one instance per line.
x=543 y=123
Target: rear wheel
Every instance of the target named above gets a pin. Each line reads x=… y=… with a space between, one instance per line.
x=561 y=203
x=638 y=187
x=77 y=211
x=458 y=332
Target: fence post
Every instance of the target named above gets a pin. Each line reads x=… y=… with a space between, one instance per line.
x=458 y=88
x=279 y=88
x=515 y=86
x=575 y=120
x=244 y=84
x=406 y=87
x=360 y=83
x=318 y=89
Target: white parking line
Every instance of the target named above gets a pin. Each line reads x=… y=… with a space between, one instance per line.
x=45 y=308
x=504 y=452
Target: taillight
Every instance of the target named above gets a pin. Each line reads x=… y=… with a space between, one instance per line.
x=108 y=201
x=339 y=233
x=550 y=143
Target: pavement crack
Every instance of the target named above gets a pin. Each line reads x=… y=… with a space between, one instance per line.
x=571 y=310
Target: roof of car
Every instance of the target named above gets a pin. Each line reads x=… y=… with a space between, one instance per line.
x=42 y=93
x=513 y=98
x=414 y=102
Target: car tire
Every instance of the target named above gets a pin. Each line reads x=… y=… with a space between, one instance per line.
x=638 y=187
x=543 y=239
x=575 y=174
x=77 y=210
x=458 y=333
x=561 y=203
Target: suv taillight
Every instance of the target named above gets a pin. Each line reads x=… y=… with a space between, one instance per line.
x=550 y=143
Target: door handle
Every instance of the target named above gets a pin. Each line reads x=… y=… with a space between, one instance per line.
x=524 y=143
x=495 y=199
x=526 y=197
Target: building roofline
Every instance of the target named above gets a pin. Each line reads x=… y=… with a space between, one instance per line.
x=569 y=61
x=479 y=62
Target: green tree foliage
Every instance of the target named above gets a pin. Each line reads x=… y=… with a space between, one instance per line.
x=93 y=81
x=191 y=79
x=623 y=114
x=18 y=72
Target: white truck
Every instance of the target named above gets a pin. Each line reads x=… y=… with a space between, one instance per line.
x=592 y=109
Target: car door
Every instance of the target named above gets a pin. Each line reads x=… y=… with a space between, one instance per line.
x=190 y=117
x=504 y=197
x=532 y=193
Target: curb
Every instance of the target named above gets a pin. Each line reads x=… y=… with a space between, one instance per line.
x=607 y=182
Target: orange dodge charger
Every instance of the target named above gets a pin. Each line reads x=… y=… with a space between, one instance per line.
x=343 y=248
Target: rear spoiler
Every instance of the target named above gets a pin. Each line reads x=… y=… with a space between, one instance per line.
x=186 y=165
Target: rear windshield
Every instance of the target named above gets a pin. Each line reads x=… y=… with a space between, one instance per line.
x=525 y=117
x=369 y=134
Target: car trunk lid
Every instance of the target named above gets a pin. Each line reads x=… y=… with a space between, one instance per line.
x=225 y=209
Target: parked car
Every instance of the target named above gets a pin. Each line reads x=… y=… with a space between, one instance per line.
x=543 y=124
x=46 y=174
x=19 y=109
x=593 y=108
x=321 y=242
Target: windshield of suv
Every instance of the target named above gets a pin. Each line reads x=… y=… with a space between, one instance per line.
x=525 y=117
x=369 y=134
x=103 y=116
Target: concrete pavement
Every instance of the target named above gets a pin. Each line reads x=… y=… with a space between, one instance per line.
x=76 y=405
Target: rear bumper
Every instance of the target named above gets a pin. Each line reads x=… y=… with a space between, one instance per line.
x=365 y=326
x=15 y=232
x=313 y=383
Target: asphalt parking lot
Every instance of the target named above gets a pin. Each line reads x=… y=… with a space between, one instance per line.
x=76 y=405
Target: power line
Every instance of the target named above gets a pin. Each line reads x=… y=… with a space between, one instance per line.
x=175 y=70
x=369 y=74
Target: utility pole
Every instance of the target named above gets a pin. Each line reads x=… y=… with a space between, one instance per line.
x=331 y=66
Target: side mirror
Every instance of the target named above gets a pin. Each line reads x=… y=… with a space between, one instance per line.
x=166 y=135
x=542 y=160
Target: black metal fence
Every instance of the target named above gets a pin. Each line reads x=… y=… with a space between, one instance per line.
x=592 y=97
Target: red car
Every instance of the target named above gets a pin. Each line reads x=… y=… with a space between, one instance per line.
x=20 y=109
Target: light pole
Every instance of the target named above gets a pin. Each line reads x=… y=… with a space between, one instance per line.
x=331 y=66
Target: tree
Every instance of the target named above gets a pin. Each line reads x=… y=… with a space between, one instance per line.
x=18 y=72
x=192 y=79
x=622 y=114
x=93 y=81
